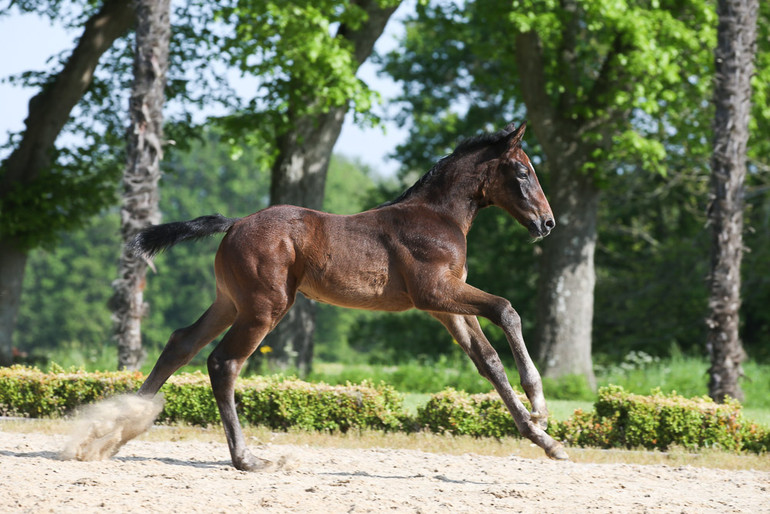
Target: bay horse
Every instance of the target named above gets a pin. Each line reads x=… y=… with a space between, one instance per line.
x=407 y=253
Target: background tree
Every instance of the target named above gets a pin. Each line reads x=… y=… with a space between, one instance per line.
x=140 y=178
x=41 y=193
x=316 y=102
x=205 y=34
x=604 y=84
x=734 y=61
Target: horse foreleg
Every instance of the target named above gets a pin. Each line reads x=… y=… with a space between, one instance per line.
x=186 y=342
x=225 y=362
x=468 y=334
x=529 y=376
x=457 y=305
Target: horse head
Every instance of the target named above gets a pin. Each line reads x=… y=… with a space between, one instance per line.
x=513 y=185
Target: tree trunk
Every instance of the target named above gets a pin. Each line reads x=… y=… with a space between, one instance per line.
x=566 y=282
x=567 y=278
x=299 y=178
x=12 y=263
x=734 y=58
x=49 y=110
x=140 y=179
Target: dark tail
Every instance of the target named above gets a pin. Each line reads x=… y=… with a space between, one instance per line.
x=157 y=238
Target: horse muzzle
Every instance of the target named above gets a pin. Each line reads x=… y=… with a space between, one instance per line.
x=541 y=227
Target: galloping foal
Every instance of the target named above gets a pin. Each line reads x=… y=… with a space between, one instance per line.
x=407 y=253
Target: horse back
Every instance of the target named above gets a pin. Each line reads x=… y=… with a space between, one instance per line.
x=367 y=260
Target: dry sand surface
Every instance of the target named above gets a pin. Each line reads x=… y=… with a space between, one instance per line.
x=189 y=476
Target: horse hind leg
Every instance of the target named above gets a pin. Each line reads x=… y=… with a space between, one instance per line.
x=106 y=426
x=186 y=342
x=224 y=364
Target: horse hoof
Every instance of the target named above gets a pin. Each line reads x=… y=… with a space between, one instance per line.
x=252 y=463
x=557 y=452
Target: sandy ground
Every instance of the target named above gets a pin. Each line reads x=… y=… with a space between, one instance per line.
x=197 y=477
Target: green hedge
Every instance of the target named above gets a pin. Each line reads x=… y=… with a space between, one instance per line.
x=277 y=402
x=619 y=420
x=625 y=420
x=460 y=413
x=31 y=393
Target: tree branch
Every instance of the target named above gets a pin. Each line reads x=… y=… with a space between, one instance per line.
x=364 y=36
x=50 y=109
x=611 y=74
x=529 y=60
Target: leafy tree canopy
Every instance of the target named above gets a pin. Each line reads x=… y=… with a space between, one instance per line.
x=626 y=76
x=290 y=50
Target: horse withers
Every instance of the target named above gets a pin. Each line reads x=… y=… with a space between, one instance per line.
x=407 y=253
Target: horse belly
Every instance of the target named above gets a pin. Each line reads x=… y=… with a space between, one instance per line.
x=371 y=288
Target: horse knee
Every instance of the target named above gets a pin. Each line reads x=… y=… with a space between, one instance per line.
x=509 y=318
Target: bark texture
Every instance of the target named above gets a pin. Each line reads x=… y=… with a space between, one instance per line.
x=48 y=111
x=12 y=264
x=567 y=278
x=140 y=178
x=299 y=178
x=734 y=58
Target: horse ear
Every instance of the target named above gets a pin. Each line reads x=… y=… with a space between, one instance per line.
x=514 y=138
x=511 y=127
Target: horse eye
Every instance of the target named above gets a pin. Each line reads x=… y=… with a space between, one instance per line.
x=522 y=172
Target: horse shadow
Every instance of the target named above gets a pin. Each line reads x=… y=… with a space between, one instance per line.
x=441 y=478
x=53 y=455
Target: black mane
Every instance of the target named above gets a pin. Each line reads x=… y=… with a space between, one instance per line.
x=474 y=143
x=465 y=146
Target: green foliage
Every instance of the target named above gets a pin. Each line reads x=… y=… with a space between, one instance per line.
x=30 y=392
x=292 y=403
x=651 y=263
x=348 y=186
x=417 y=376
x=61 y=198
x=459 y=413
x=620 y=419
x=294 y=50
x=568 y=387
x=66 y=291
x=188 y=399
x=276 y=402
x=659 y=421
x=640 y=373
x=619 y=70
x=290 y=52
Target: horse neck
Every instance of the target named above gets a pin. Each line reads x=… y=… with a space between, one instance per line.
x=457 y=191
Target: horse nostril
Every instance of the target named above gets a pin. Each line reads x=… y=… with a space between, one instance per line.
x=550 y=223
